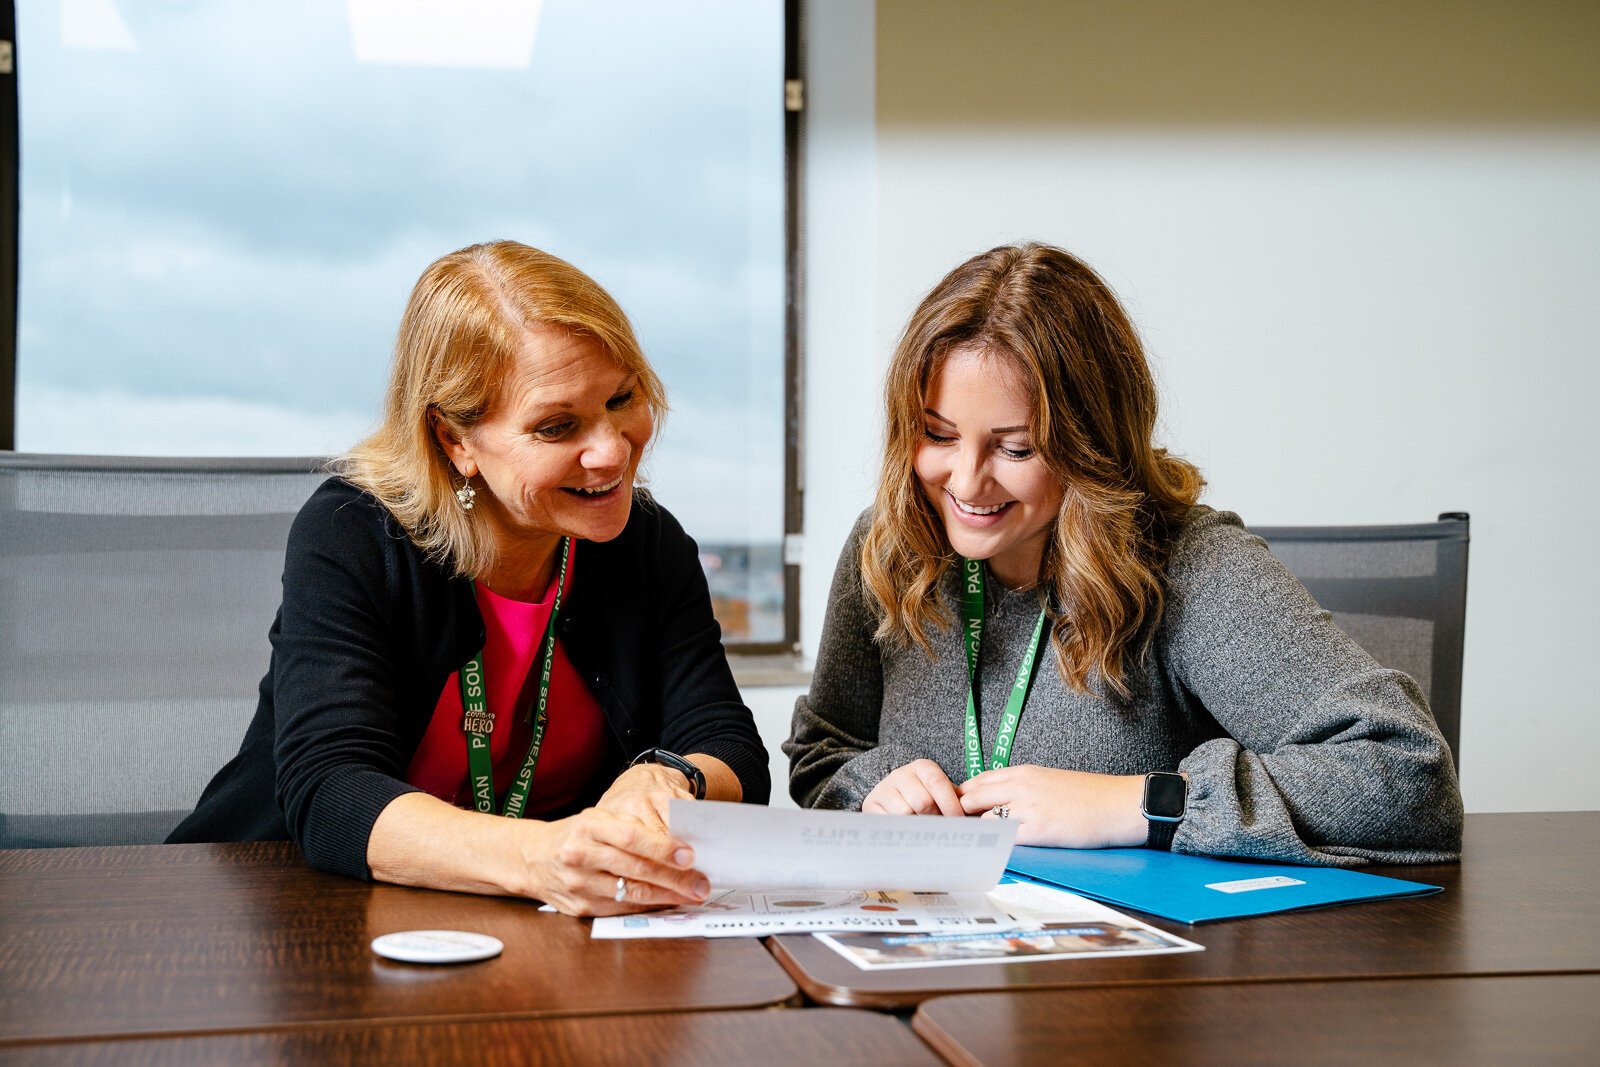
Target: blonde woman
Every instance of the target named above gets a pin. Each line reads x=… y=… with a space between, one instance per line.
x=1038 y=621
x=496 y=662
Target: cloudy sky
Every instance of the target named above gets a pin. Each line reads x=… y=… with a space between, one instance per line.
x=225 y=203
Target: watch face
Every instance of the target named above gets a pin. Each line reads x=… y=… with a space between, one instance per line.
x=1165 y=795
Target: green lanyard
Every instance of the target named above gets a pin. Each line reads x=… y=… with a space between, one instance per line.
x=972 y=602
x=478 y=721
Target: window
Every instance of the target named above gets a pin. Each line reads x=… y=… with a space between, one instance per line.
x=224 y=204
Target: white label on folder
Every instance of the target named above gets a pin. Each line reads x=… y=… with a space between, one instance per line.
x=1250 y=885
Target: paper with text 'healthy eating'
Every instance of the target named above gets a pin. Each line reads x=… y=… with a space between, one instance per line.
x=743 y=846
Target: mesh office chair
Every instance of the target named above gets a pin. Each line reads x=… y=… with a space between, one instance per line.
x=1399 y=591
x=135 y=600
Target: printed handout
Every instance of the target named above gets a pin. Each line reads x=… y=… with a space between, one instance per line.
x=745 y=846
x=759 y=913
x=1053 y=941
x=1012 y=919
x=1075 y=928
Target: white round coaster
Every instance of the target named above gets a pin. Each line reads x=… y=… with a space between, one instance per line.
x=437 y=946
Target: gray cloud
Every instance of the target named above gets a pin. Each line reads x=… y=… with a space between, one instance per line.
x=266 y=171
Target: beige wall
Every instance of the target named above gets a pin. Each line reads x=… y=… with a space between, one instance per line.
x=1291 y=63
x=1362 y=241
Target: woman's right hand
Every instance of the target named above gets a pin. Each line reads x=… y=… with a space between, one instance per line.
x=919 y=788
x=574 y=864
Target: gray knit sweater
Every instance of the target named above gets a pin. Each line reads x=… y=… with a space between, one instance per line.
x=1297 y=745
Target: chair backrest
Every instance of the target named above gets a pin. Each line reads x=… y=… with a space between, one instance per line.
x=1399 y=591
x=135 y=600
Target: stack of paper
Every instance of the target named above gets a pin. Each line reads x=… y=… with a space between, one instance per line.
x=778 y=872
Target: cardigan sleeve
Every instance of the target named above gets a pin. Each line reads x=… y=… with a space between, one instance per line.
x=701 y=710
x=1330 y=758
x=835 y=758
x=338 y=747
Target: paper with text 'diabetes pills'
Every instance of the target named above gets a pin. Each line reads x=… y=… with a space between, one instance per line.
x=743 y=846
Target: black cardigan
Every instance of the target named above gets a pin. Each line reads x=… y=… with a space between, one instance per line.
x=370 y=630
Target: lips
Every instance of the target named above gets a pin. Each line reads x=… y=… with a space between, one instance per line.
x=594 y=492
x=978 y=515
x=978 y=509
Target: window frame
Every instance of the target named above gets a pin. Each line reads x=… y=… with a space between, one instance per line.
x=793 y=470
x=10 y=216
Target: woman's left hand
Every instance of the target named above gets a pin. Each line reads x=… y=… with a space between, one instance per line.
x=644 y=792
x=1061 y=809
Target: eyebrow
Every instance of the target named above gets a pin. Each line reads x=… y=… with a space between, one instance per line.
x=998 y=429
x=631 y=378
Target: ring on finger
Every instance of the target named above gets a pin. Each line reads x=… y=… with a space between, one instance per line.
x=1002 y=812
x=622 y=890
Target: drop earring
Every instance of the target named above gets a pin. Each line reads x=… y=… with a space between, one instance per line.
x=466 y=495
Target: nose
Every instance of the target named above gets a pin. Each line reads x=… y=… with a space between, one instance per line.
x=969 y=472
x=607 y=448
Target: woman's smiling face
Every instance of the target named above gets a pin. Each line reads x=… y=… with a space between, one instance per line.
x=559 y=449
x=977 y=464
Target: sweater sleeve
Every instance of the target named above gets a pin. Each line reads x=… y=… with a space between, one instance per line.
x=340 y=758
x=701 y=710
x=835 y=758
x=1330 y=758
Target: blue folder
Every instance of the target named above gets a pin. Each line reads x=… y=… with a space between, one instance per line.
x=1198 y=889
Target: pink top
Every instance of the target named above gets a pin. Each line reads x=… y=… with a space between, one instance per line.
x=574 y=738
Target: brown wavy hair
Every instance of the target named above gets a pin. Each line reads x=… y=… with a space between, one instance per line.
x=1092 y=421
x=459 y=338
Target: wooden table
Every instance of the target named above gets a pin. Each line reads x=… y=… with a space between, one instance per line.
x=1523 y=901
x=102 y=942
x=833 y=1036
x=1459 y=1021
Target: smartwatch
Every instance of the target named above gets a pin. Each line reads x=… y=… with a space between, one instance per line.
x=697 y=779
x=1166 y=796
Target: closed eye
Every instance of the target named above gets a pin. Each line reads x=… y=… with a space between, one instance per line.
x=1016 y=453
x=935 y=438
x=554 y=431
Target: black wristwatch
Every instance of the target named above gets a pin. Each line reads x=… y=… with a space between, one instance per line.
x=1166 y=797
x=697 y=779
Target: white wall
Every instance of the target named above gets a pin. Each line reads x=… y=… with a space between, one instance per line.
x=772 y=706
x=1364 y=268
x=844 y=357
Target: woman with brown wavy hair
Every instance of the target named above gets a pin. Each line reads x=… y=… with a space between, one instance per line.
x=1192 y=695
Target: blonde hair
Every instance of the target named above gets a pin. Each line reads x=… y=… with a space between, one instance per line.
x=463 y=327
x=1092 y=420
